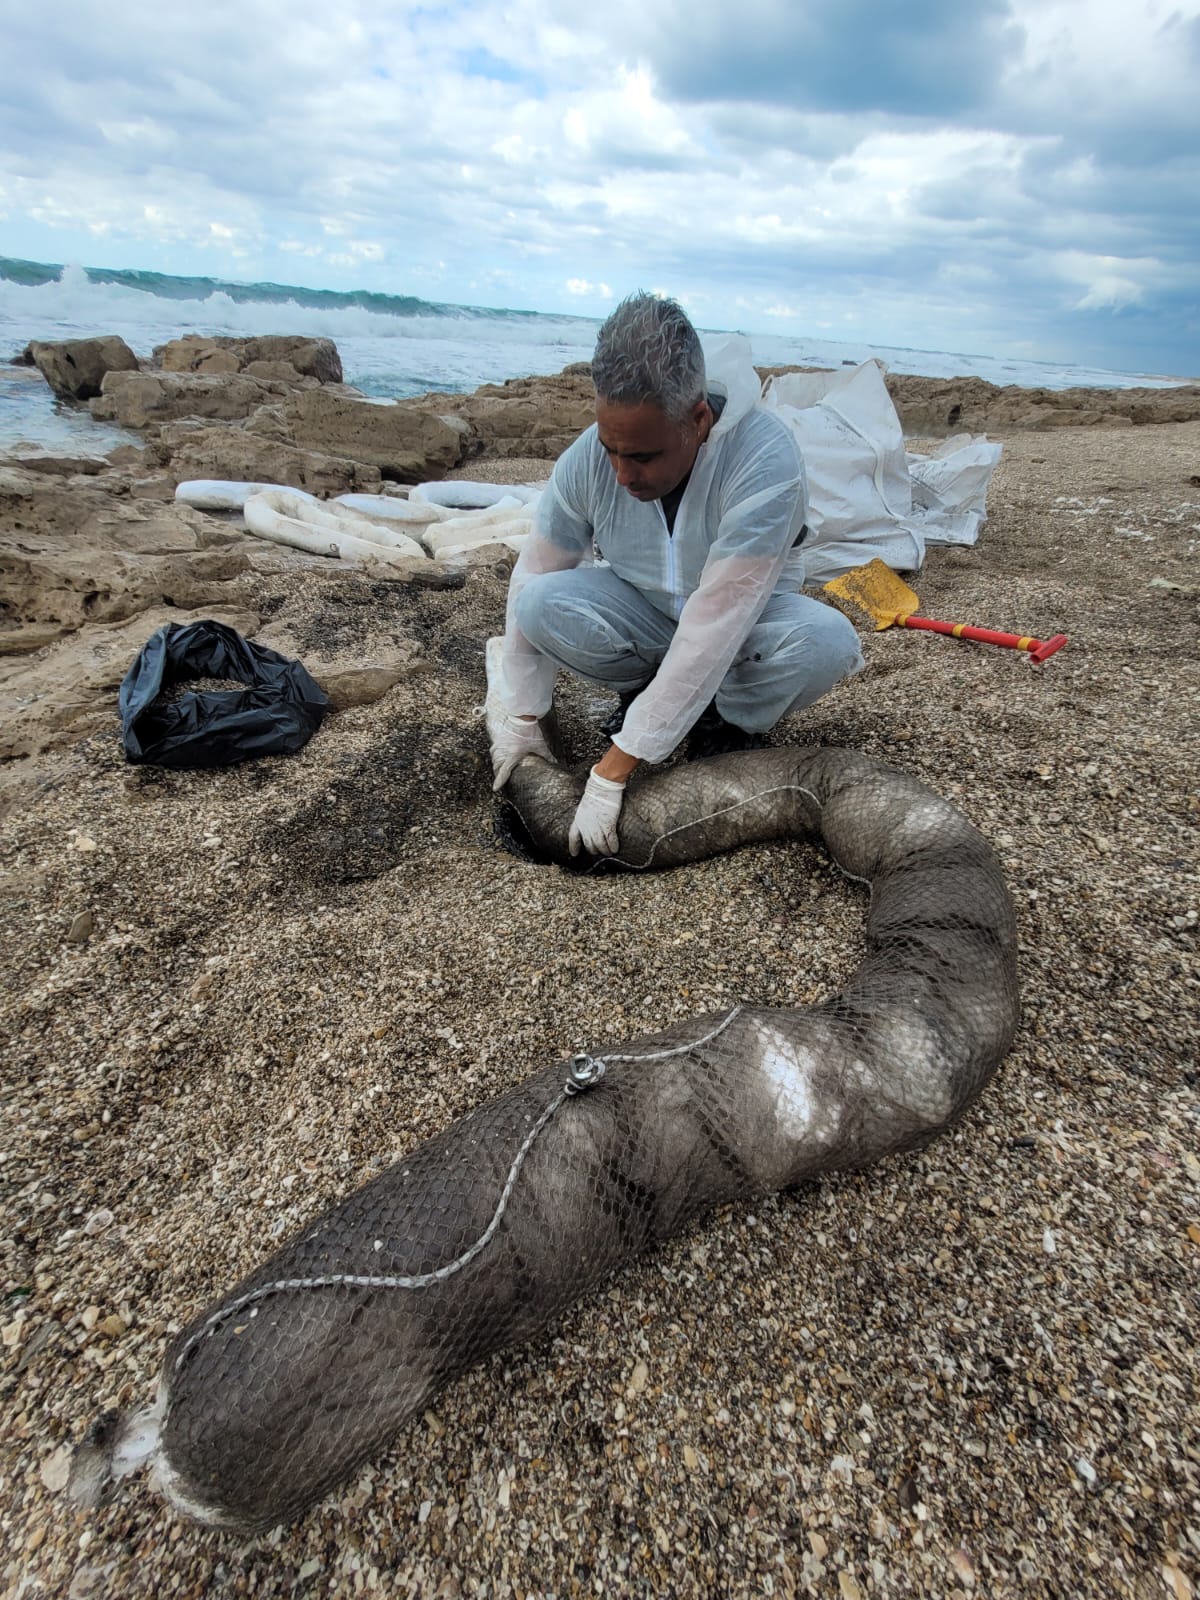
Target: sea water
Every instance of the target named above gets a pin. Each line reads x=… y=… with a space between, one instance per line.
x=389 y=345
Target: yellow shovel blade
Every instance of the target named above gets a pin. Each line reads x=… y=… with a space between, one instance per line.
x=875 y=590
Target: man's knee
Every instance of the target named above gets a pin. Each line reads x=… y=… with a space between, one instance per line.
x=813 y=633
x=577 y=626
x=532 y=606
x=551 y=611
x=821 y=654
x=823 y=637
x=789 y=663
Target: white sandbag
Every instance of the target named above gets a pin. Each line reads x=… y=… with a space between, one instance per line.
x=501 y=511
x=341 y=519
x=221 y=494
x=859 y=489
x=285 y=517
x=510 y=538
x=867 y=495
x=389 y=508
x=949 y=488
x=465 y=526
x=463 y=495
x=463 y=533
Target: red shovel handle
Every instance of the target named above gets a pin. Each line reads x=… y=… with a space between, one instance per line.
x=1039 y=649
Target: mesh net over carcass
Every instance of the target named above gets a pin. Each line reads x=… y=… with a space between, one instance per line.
x=479 y=1237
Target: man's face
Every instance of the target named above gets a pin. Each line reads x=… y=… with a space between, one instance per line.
x=650 y=453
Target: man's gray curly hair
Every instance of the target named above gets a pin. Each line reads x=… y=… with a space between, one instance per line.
x=648 y=350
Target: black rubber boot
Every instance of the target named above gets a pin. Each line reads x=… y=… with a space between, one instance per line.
x=711 y=735
x=613 y=725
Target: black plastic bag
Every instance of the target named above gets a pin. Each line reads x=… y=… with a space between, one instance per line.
x=276 y=714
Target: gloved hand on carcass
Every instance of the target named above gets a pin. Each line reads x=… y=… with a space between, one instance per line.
x=514 y=738
x=595 y=826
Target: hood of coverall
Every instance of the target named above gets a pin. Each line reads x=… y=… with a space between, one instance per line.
x=729 y=371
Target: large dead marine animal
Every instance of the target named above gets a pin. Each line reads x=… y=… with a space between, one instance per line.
x=481 y=1236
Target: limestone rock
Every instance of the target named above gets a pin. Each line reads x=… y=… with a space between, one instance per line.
x=78 y=552
x=142 y=399
x=528 y=418
x=1159 y=405
x=547 y=448
x=194 y=354
x=525 y=417
x=275 y=372
x=493 y=554
x=351 y=679
x=127 y=455
x=270 y=423
x=312 y=358
x=108 y=586
x=156 y=486
x=93 y=511
x=307 y=358
x=23 y=638
x=60 y=466
x=421 y=574
x=405 y=443
x=247 y=457
x=75 y=368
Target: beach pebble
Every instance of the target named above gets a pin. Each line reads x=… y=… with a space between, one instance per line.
x=1176 y=1579
x=83 y=925
x=961 y=1562
x=56 y=1469
x=86 y=1582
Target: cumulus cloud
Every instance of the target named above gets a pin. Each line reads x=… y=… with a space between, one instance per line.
x=1013 y=175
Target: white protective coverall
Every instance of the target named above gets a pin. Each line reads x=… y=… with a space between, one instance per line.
x=734 y=544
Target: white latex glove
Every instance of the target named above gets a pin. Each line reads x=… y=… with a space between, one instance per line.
x=595 y=824
x=514 y=738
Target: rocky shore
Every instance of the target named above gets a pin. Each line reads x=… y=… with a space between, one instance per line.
x=231 y=996
x=290 y=419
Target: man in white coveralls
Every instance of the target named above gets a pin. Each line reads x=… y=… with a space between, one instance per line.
x=693 y=497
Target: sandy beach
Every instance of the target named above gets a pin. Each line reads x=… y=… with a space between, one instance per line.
x=232 y=996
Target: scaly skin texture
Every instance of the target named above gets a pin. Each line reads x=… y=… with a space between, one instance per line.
x=311 y=1363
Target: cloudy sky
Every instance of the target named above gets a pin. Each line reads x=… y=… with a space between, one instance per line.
x=1007 y=177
